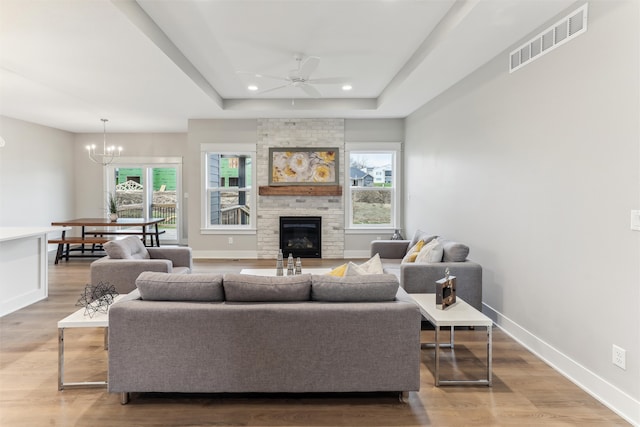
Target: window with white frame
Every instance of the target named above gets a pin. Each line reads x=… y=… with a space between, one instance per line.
x=373 y=199
x=228 y=191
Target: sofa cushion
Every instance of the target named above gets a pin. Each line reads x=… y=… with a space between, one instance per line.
x=430 y=253
x=453 y=251
x=370 y=288
x=420 y=235
x=250 y=288
x=156 y=286
x=131 y=247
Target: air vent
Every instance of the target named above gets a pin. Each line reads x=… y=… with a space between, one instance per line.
x=559 y=33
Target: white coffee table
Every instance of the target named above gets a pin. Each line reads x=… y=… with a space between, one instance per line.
x=79 y=320
x=272 y=271
x=458 y=314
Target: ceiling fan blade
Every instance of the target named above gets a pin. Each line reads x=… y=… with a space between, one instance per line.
x=328 y=80
x=272 y=89
x=265 y=76
x=309 y=66
x=311 y=91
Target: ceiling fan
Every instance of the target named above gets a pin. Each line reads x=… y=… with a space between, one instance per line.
x=301 y=77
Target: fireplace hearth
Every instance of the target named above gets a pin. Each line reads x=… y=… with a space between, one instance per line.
x=301 y=236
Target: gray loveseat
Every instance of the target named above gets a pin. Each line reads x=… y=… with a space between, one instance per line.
x=204 y=333
x=421 y=277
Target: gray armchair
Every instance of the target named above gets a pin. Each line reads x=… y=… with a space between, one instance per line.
x=128 y=257
x=421 y=277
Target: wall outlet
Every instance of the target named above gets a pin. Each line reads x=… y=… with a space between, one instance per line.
x=619 y=357
x=231 y=240
x=635 y=220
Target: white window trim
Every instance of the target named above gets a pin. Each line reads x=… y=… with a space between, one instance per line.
x=248 y=149
x=396 y=213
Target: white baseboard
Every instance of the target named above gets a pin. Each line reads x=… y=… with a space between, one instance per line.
x=225 y=255
x=357 y=254
x=609 y=395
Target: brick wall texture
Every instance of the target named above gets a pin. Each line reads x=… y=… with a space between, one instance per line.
x=299 y=133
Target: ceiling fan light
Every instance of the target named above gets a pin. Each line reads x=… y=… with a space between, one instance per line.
x=347 y=87
x=252 y=88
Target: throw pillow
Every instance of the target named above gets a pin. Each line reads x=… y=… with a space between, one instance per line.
x=413 y=252
x=354 y=270
x=372 y=266
x=130 y=247
x=430 y=253
x=453 y=251
x=420 y=235
x=375 y=288
x=250 y=288
x=156 y=286
x=338 y=271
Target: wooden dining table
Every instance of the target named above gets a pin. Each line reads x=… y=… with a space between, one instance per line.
x=145 y=227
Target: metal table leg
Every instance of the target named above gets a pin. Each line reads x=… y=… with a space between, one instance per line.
x=61 y=384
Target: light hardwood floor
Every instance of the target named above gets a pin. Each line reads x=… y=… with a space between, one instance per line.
x=525 y=392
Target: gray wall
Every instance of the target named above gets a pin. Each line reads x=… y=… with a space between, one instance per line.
x=221 y=132
x=356 y=244
x=245 y=131
x=37 y=174
x=89 y=185
x=537 y=172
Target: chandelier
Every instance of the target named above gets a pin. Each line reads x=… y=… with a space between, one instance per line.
x=108 y=153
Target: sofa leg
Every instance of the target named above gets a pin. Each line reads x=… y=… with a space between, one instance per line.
x=124 y=398
x=403 y=397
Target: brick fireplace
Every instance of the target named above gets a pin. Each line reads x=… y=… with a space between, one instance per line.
x=299 y=133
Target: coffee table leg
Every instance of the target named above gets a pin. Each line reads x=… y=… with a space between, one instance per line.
x=60 y=358
x=489 y=354
x=437 y=350
x=453 y=328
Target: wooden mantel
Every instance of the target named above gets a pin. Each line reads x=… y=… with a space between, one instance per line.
x=300 y=190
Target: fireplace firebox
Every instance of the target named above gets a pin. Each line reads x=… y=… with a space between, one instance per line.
x=301 y=236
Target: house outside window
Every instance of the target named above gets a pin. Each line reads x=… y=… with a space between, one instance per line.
x=228 y=189
x=373 y=197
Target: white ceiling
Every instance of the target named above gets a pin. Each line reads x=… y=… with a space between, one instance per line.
x=150 y=65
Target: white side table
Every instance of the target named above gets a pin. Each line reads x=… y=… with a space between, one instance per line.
x=80 y=320
x=458 y=314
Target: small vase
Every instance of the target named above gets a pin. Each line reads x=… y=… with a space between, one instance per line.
x=113 y=217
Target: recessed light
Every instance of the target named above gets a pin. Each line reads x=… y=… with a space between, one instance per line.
x=252 y=87
x=347 y=87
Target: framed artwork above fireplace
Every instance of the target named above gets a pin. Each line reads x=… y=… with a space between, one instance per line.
x=303 y=166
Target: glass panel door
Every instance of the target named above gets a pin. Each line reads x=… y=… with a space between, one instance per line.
x=129 y=190
x=164 y=201
x=149 y=191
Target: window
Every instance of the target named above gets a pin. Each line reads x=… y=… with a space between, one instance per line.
x=228 y=189
x=373 y=197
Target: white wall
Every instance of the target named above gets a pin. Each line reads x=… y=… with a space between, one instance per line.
x=36 y=174
x=537 y=172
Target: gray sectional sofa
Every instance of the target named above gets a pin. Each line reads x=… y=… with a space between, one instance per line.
x=421 y=277
x=240 y=333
